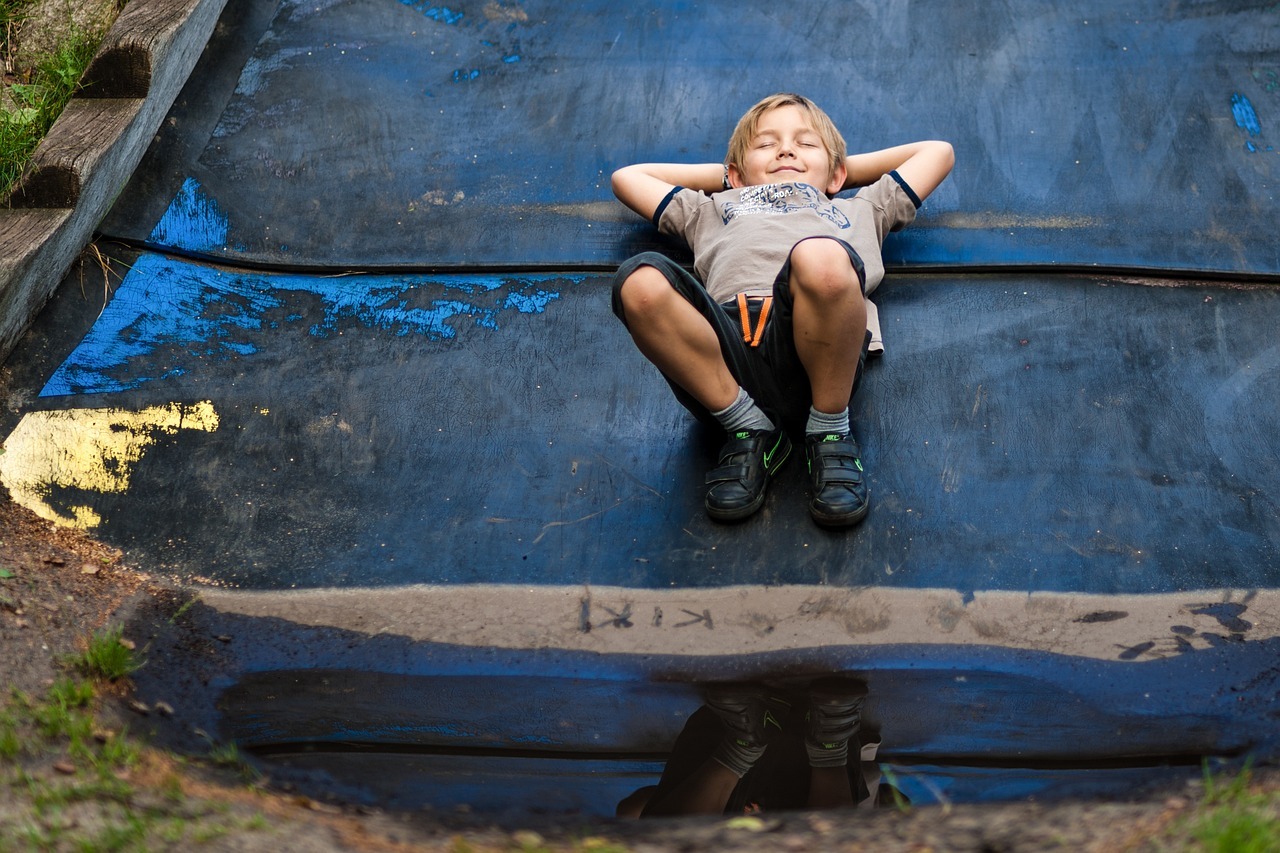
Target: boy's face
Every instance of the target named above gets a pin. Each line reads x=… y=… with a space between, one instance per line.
x=786 y=148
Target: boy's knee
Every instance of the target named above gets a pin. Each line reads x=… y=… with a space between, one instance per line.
x=823 y=269
x=643 y=290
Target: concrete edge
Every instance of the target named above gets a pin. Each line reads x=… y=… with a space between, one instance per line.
x=742 y=620
x=92 y=150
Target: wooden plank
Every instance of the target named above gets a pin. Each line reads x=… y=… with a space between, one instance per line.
x=93 y=148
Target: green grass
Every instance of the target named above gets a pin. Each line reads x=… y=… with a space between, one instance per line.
x=43 y=91
x=60 y=726
x=1234 y=818
x=107 y=656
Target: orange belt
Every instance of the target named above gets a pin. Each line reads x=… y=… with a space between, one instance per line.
x=749 y=335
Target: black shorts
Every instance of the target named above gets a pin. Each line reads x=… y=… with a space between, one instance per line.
x=770 y=372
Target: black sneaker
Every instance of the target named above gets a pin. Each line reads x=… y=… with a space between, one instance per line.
x=835 y=715
x=840 y=497
x=735 y=487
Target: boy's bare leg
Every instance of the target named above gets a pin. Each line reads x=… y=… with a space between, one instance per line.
x=677 y=339
x=829 y=320
x=680 y=342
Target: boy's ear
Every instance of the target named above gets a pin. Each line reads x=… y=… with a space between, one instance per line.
x=735 y=177
x=838 y=178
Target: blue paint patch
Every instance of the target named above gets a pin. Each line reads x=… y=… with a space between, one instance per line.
x=443 y=14
x=534 y=303
x=167 y=313
x=193 y=221
x=462 y=75
x=515 y=57
x=1246 y=117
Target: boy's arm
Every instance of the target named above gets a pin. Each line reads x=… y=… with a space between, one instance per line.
x=923 y=165
x=642 y=187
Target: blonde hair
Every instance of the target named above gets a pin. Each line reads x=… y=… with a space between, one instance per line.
x=818 y=120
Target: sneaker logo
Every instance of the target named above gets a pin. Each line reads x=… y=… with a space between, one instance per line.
x=858 y=462
x=770 y=720
x=832 y=437
x=742 y=434
x=769 y=454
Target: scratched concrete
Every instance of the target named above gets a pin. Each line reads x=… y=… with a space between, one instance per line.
x=360 y=393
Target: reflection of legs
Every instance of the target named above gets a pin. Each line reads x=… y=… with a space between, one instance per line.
x=829 y=788
x=751 y=718
x=705 y=791
x=835 y=715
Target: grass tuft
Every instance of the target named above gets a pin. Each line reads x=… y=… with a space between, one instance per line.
x=31 y=105
x=1236 y=818
x=107 y=657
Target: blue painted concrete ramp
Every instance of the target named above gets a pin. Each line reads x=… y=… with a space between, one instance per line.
x=358 y=385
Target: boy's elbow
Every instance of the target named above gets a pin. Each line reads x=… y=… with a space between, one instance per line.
x=618 y=181
x=946 y=156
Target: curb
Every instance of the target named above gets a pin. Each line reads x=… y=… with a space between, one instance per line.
x=92 y=150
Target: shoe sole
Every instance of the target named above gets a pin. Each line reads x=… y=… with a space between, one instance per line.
x=742 y=513
x=843 y=520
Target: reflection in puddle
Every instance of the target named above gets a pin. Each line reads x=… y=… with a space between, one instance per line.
x=87 y=450
x=752 y=748
x=513 y=745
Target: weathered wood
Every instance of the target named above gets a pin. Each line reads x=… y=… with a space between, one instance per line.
x=86 y=148
x=25 y=270
x=119 y=71
x=143 y=35
x=93 y=148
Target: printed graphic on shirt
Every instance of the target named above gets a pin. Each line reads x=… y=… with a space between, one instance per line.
x=778 y=199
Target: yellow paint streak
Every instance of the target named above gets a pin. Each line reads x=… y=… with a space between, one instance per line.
x=983 y=221
x=87 y=449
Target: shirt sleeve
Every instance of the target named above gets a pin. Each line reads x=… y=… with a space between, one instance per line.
x=894 y=202
x=677 y=215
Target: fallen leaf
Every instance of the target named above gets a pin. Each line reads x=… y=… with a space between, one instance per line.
x=65 y=767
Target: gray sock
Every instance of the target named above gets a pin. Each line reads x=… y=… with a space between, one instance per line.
x=742 y=413
x=737 y=755
x=821 y=423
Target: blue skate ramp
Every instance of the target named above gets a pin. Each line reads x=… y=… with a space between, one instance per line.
x=354 y=384
x=279 y=431
x=401 y=133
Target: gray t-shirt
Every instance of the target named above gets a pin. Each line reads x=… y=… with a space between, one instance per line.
x=740 y=238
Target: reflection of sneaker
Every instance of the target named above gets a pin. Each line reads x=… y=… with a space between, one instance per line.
x=840 y=497
x=752 y=718
x=735 y=487
x=835 y=714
